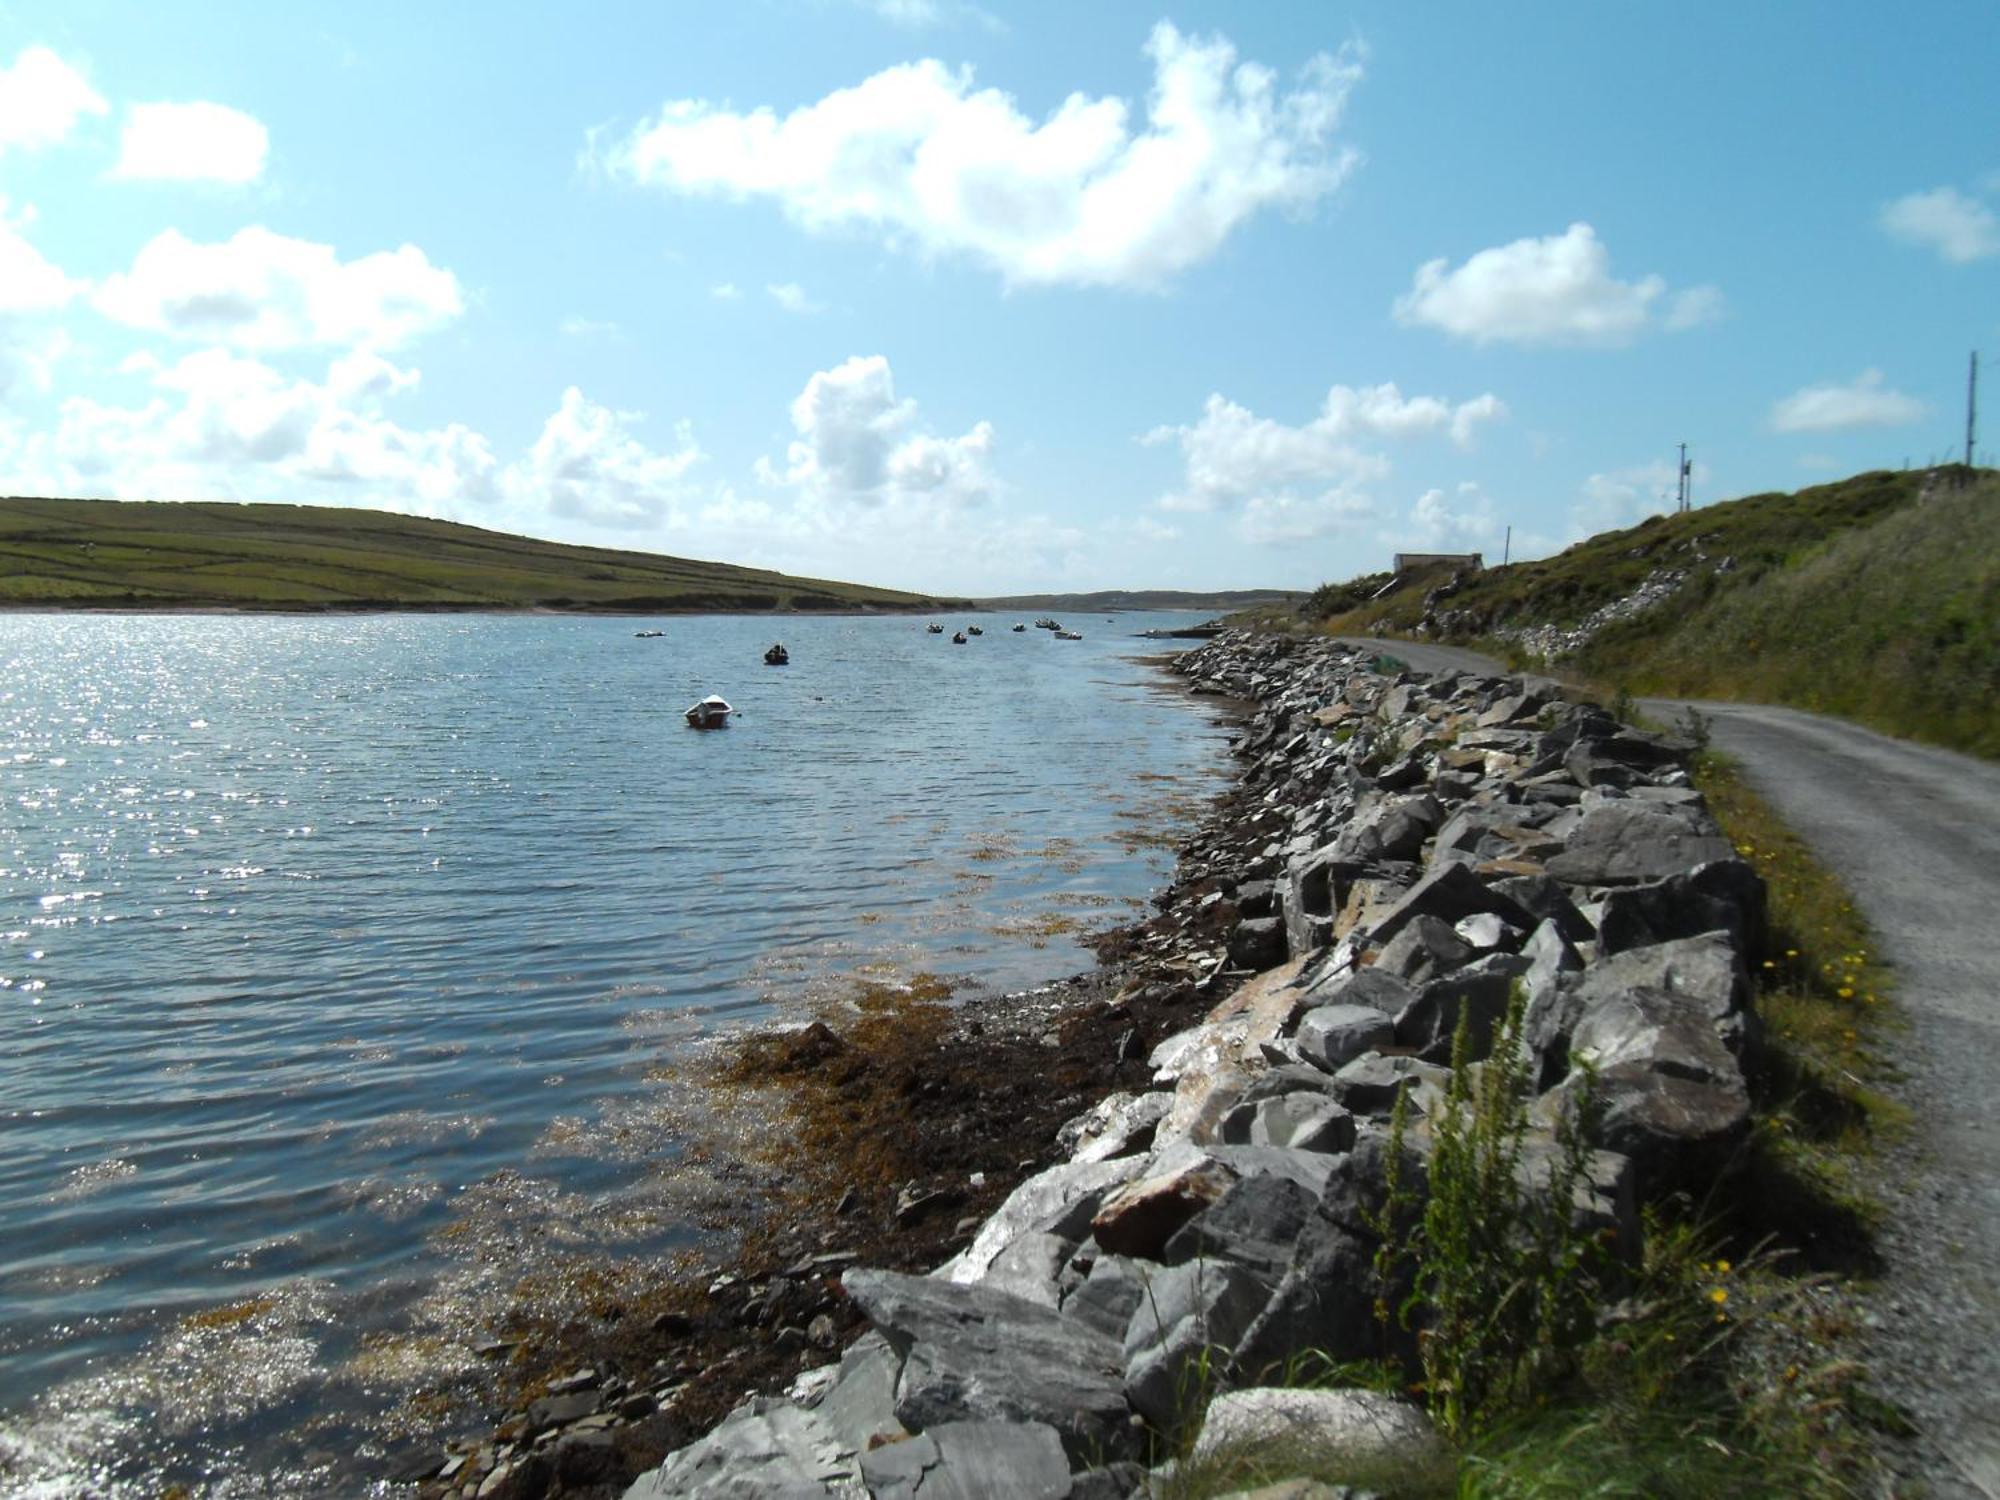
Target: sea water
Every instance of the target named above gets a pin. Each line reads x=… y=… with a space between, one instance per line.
x=342 y=960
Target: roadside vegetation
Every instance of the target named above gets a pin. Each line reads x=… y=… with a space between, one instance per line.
x=1877 y=598
x=110 y=554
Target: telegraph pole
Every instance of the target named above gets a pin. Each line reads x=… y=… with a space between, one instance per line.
x=1684 y=488
x=1971 y=406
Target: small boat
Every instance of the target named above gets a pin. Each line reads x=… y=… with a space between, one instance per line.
x=934 y=629
x=1045 y=623
x=1068 y=635
x=974 y=630
x=958 y=637
x=710 y=713
x=1020 y=629
x=777 y=656
x=647 y=635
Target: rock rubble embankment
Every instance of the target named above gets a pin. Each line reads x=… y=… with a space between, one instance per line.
x=1402 y=852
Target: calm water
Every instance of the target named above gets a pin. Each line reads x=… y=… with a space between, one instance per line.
x=340 y=961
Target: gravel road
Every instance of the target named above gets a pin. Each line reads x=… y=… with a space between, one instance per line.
x=1915 y=834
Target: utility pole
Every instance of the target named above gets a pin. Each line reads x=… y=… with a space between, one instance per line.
x=1971 y=406
x=1507 y=548
x=1684 y=490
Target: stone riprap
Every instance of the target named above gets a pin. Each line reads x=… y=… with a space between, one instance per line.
x=1403 y=852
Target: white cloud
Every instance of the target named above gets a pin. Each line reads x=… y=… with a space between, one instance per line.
x=221 y=425
x=917 y=155
x=1460 y=522
x=725 y=291
x=192 y=142
x=41 y=99
x=265 y=291
x=792 y=297
x=29 y=283
x=1959 y=228
x=587 y=465
x=1291 y=483
x=1862 y=402
x=856 y=449
x=1554 y=290
x=590 y=328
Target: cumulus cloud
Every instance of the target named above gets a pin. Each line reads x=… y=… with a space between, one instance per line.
x=920 y=157
x=1555 y=290
x=1619 y=498
x=857 y=447
x=587 y=465
x=222 y=425
x=1962 y=229
x=192 y=142
x=1462 y=521
x=41 y=99
x=725 y=291
x=1863 y=402
x=29 y=282
x=1289 y=483
x=264 y=291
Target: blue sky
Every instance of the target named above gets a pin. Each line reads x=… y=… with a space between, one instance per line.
x=989 y=298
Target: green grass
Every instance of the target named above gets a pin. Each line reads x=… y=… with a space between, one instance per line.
x=1895 y=624
x=160 y=555
x=1877 y=598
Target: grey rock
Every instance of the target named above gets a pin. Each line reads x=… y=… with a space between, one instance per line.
x=1707 y=968
x=1426 y=947
x=554 y=1411
x=1191 y=1308
x=1108 y=1296
x=1331 y=1035
x=1449 y=894
x=1305 y=1120
x=1371 y=986
x=1059 y=1200
x=1726 y=895
x=1369 y=1084
x=1479 y=992
x=1484 y=932
x=971 y=1461
x=766 y=1449
x=1030 y=1267
x=1320 y=1427
x=1254 y=1224
x=1634 y=843
x=970 y=1353
x=1670 y=1093
x=1544 y=897
x=1117 y=1125
x=1258 y=943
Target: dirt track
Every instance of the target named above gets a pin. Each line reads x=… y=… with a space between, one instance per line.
x=1915 y=834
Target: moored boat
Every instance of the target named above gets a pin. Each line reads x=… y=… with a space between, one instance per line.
x=934 y=629
x=777 y=656
x=958 y=637
x=1068 y=635
x=711 y=713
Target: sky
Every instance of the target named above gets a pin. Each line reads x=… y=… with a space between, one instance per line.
x=989 y=298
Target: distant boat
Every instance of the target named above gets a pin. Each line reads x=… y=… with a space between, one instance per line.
x=974 y=630
x=1068 y=635
x=1045 y=623
x=647 y=635
x=1019 y=629
x=935 y=629
x=958 y=637
x=777 y=656
x=710 y=713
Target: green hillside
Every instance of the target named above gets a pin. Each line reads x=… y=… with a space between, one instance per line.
x=1877 y=598
x=196 y=555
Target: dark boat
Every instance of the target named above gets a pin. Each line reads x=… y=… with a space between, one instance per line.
x=777 y=656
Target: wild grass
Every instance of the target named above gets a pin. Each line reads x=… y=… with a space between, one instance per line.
x=1895 y=624
x=151 y=554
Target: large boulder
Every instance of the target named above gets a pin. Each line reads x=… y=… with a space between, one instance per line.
x=1320 y=1429
x=971 y=1461
x=1633 y=842
x=1059 y=1200
x=1478 y=993
x=1449 y=894
x=1670 y=1094
x=1725 y=895
x=974 y=1354
x=1329 y=1036
x=1190 y=1309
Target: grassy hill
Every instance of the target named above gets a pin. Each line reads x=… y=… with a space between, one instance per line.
x=194 y=555
x=1877 y=598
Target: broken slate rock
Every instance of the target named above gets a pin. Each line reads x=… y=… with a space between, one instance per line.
x=971 y=1461
x=1330 y=1036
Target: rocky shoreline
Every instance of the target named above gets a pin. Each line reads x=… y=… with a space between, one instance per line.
x=1060 y=1209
